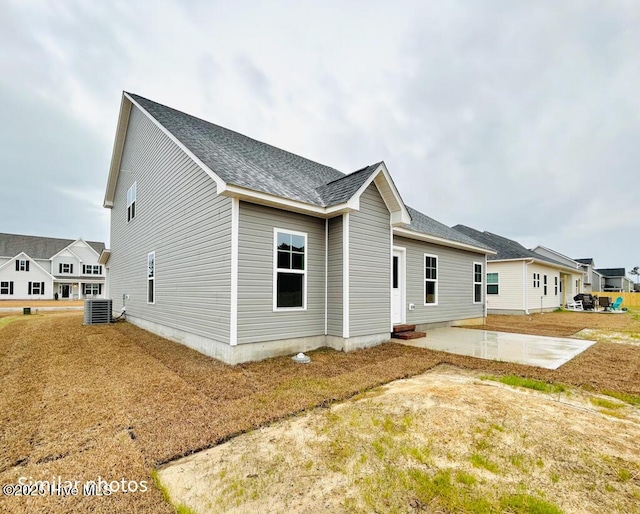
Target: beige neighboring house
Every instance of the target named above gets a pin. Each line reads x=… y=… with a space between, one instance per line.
x=38 y=268
x=523 y=281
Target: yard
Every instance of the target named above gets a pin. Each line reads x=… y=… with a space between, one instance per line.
x=113 y=402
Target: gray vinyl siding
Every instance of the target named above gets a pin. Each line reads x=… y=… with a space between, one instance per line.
x=455 y=282
x=257 y=320
x=370 y=266
x=335 y=278
x=181 y=218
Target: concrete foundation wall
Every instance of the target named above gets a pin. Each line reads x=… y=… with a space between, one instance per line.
x=257 y=351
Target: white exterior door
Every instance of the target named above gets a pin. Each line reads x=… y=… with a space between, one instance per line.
x=397 y=287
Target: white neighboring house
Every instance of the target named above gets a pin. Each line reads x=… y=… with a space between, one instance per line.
x=38 y=268
x=522 y=281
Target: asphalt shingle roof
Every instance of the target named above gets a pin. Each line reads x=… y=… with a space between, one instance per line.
x=507 y=248
x=612 y=272
x=246 y=162
x=423 y=223
x=342 y=189
x=243 y=161
x=37 y=247
x=584 y=261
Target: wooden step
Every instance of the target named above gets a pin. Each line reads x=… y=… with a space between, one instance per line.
x=408 y=335
x=403 y=328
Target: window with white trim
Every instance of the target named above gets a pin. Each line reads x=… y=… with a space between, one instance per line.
x=22 y=265
x=6 y=287
x=477 y=282
x=64 y=267
x=536 y=280
x=290 y=270
x=545 y=284
x=555 y=279
x=151 y=277
x=92 y=289
x=91 y=269
x=430 y=279
x=493 y=283
x=36 y=288
x=131 y=201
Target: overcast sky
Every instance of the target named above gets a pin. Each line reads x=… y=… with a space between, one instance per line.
x=520 y=118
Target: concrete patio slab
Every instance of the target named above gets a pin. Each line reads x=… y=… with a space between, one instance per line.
x=541 y=351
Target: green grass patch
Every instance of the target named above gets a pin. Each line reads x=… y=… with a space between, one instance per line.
x=527 y=504
x=466 y=478
x=606 y=404
x=6 y=320
x=529 y=383
x=480 y=461
x=631 y=399
x=180 y=508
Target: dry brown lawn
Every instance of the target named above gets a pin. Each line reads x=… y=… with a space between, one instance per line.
x=83 y=402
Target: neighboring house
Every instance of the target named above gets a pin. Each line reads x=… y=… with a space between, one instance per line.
x=243 y=251
x=593 y=281
x=34 y=267
x=616 y=280
x=521 y=281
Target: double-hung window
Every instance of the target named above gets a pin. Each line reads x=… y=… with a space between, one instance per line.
x=36 y=288
x=555 y=285
x=290 y=270
x=64 y=267
x=151 y=277
x=430 y=279
x=131 y=201
x=545 y=285
x=22 y=265
x=92 y=289
x=536 y=280
x=91 y=269
x=477 y=282
x=493 y=283
x=6 y=287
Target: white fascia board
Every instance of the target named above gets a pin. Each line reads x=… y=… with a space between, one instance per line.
x=394 y=202
x=578 y=264
x=68 y=249
x=80 y=240
x=279 y=202
x=104 y=256
x=556 y=266
x=412 y=234
x=118 y=147
x=17 y=257
x=116 y=155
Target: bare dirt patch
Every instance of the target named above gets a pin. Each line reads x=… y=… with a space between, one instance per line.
x=444 y=441
x=115 y=401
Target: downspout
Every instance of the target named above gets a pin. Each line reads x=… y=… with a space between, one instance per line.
x=524 y=285
x=484 y=290
x=326 y=273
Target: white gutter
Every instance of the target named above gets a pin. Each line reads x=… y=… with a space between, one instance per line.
x=420 y=236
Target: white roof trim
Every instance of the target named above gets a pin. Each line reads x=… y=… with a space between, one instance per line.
x=71 y=251
x=104 y=256
x=421 y=236
x=17 y=257
x=531 y=260
x=279 y=202
x=118 y=147
x=400 y=214
x=578 y=264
